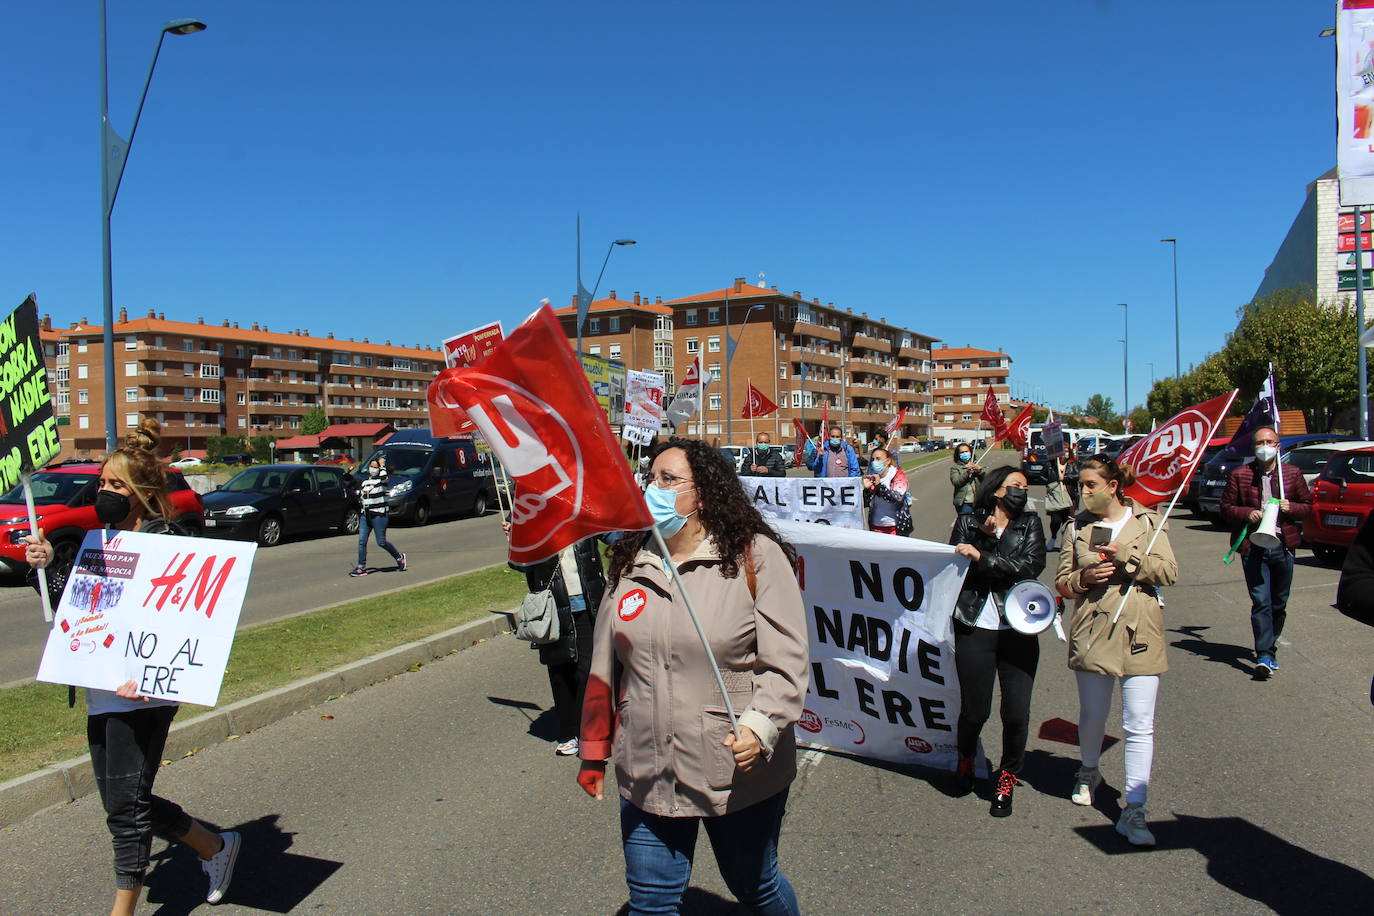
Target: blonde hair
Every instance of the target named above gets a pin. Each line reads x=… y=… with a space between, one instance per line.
x=136 y=463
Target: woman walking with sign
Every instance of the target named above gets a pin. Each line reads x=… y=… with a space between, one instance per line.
x=1115 y=557
x=126 y=732
x=964 y=477
x=652 y=700
x=1005 y=544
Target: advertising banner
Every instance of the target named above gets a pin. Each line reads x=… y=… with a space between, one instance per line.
x=1346 y=261
x=1355 y=101
x=155 y=609
x=834 y=501
x=1347 y=242
x=607 y=379
x=643 y=399
x=1345 y=222
x=878 y=609
x=1346 y=281
x=28 y=432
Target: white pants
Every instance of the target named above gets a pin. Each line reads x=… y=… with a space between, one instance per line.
x=1138 y=695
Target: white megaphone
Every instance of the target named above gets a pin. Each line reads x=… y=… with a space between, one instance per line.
x=1267 y=534
x=1029 y=607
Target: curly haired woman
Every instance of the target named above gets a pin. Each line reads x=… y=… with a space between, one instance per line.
x=652 y=701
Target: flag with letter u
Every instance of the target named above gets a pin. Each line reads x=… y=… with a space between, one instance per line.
x=896 y=424
x=1164 y=460
x=757 y=405
x=993 y=416
x=531 y=402
x=1019 y=428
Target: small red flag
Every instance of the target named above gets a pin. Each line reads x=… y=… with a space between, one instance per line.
x=1019 y=428
x=802 y=437
x=1164 y=460
x=896 y=424
x=757 y=405
x=992 y=415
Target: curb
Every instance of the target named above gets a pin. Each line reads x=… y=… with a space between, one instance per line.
x=66 y=781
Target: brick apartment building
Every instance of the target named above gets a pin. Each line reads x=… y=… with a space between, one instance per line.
x=961 y=380
x=200 y=380
x=860 y=370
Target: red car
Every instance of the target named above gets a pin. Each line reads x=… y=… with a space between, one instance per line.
x=64 y=498
x=1342 y=497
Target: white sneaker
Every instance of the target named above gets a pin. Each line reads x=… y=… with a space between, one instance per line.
x=1087 y=780
x=1132 y=826
x=566 y=748
x=220 y=868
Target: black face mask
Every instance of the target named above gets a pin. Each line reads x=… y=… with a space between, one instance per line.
x=1014 y=500
x=111 y=507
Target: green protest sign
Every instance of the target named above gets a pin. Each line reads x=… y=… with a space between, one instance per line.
x=28 y=432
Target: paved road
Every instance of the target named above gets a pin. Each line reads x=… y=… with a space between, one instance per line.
x=301 y=574
x=437 y=792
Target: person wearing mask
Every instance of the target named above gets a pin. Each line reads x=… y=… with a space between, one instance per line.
x=652 y=700
x=836 y=459
x=766 y=460
x=1268 y=570
x=126 y=732
x=1058 y=504
x=964 y=477
x=887 y=493
x=879 y=442
x=1004 y=544
x=1108 y=557
x=372 y=516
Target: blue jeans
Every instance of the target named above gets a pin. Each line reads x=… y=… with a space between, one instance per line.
x=1268 y=575
x=659 y=851
x=375 y=523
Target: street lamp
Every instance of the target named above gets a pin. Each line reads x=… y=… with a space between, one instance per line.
x=1125 y=359
x=730 y=344
x=584 y=298
x=114 y=156
x=1178 y=362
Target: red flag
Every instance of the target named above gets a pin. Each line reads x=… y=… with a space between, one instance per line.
x=570 y=476
x=757 y=405
x=992 y=415
x=802 y=437
x=896 y=424
x=825 y=410
x=1020 y=428
x=1164 y=460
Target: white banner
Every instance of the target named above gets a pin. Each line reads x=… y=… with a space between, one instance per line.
x=836 y=501
x=154 y=609
x=1355 y=101
x=637 y=435
x=643 y=399
x=878 y=609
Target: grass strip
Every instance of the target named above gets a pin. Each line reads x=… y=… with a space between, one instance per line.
x=912 y=464
x=37 y=728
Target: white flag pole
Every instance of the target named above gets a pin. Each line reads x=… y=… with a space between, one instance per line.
x=33 y=529
x=701 y=634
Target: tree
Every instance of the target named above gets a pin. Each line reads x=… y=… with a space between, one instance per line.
x=314 y=422
x=261 y=447
x=1102 y=408
x=1039 y=414
x=1140 y=420
x=219 y=446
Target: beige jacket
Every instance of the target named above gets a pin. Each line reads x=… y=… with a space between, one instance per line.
x=1135 y=644
x=653 y=704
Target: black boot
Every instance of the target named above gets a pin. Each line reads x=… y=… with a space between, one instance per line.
x=963 y=776
x=1001 y=802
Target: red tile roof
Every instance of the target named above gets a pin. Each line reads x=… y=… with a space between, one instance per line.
x=964 y=353
x=298 y=442
x=359 y=430
x=744 y=291
x=615 y=305
x=248 y=335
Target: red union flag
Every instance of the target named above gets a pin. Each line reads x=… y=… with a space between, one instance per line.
x=802 y=437
x=531 y=402
x=1020 y=427
x=992 y=415
x=896 y=424
x=757 y=405
x=467 y=349
x=1164 y=459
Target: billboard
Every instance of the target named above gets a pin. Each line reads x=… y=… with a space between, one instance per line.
x=607 y=378
x=1355 y=101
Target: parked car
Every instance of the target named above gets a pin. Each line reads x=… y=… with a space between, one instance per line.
x=1341 y=501
x=267 y=502
x=1190 y=497
x=244 y=460
x=1219 y=469
x=1034 y=465
x=1117 y=445
x=337 y=458
x=1310 y=459
x=429 y=476
x=736 y=455
x=907 y=448
x=64 y=500
x=187 y=463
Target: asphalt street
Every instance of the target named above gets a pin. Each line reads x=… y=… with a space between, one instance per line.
x=300 y=574
x=437 y=792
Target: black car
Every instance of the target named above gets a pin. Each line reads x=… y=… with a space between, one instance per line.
x=264 y=503
x=1035 y=465
x=244 y=460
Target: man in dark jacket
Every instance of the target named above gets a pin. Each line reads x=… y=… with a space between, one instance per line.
x=1268 y=570
x=766 y=460
x=1355 y=591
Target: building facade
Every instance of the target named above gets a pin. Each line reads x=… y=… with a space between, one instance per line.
x=961 y=379
x=201 y=380
x=1318 y=252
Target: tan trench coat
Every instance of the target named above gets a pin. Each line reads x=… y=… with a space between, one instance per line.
x=1135 y=643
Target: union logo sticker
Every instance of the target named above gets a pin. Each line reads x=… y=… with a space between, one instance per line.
x=631 y=604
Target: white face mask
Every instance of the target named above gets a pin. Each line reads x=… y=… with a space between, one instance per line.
x=1266 y=453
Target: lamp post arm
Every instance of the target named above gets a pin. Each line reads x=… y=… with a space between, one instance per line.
x=117 y=149
x=596 y=286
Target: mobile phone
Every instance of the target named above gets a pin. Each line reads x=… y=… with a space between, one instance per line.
x=1100 y=536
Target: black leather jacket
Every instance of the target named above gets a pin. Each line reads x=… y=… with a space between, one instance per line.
x=1018 y=554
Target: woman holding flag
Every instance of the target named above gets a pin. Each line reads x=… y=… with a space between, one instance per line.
x=1115 y=558
x=964 y=477
x=653 y=704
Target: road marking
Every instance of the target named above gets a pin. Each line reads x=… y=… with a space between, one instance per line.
x=811 y=758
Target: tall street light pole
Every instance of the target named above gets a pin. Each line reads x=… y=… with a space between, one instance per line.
x=1125 y=359
x=584 y=298
x=730 y=344
x=114 y=156
x=1178 y=361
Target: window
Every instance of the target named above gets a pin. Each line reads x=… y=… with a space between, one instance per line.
x=693 y=345
x=82 y=370
x=615 y=351
x=615 y=324
x=715 y=402
x=131 y=394
x=594 y=350
x=209 y=371
x=714 y=369
x=949 y=399
x=691 y=315
x=63 y=349
x=131 y=343
x=713 y=316
x=782 y=370
x=796 y=399
x=276 y=352
x=188 y=393
x=189 y=345
x=209 y=395
x=965 y=383
x=968 y=417
x=131 y=419
x=594 y=326
x=188 y=368
x=62 y=374
x=83 y=396
x=713 y=345
x=402 y=364
x=63 y=398
x=243 y=421
x=386 y=403
x=238 y=352
x=83 y=422
x=81 y=346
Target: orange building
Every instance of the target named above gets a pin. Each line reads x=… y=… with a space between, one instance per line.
x=962 y=377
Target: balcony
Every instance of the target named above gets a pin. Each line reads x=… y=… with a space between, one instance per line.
x=815 y=357
x=176 y=405
x=271 y=408
x=823 y=331
x=259 y=361
x=380 y=372
x=872 y=343
x=912 y=353
x=286 y=385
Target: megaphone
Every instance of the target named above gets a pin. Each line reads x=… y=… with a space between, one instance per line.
x=1267 y=534
x=1029 y=607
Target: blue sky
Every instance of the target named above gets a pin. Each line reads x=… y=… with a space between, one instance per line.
x=995 y=174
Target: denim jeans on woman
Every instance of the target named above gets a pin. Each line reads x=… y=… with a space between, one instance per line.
x=126 y=751
x=659 y=851
x=375 y=523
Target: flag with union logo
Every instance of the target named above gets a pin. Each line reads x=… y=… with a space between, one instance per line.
x=896 y=423
x=689 y=394
x=993 y=416
x=1164 y=460
x=1019 y=428
x=531 y=402
x=757 y=404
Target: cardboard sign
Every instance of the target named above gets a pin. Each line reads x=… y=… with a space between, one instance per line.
x=643 y=399
x=637 y=434
x=155 y=609
x=471 y=348
x=1052 y=435
x=835 y=501
x=28 y=432
x=878 y=609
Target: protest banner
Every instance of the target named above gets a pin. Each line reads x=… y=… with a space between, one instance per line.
x=607 y=379
x=836 y=501
x=28 y=432
x=689 y=394
x=878 y=611
x=155 y=609
x=637 y=434
x=1052 y=437
x=643 y=399
x=470 y=348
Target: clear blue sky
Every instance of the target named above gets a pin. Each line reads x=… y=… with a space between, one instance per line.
x=993 y=174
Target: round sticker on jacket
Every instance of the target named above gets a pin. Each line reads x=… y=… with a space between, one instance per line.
x=631 y=603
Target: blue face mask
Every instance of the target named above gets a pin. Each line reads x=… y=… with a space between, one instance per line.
x=835 y=443
x=662 y=505
x=876 y=467
x=963 y=457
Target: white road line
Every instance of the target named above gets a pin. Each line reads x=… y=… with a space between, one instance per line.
x=810 y=758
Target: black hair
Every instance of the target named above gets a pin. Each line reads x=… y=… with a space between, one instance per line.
x=993 y=480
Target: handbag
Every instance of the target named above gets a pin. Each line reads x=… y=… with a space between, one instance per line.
x=536 y=620
x=904 y=523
